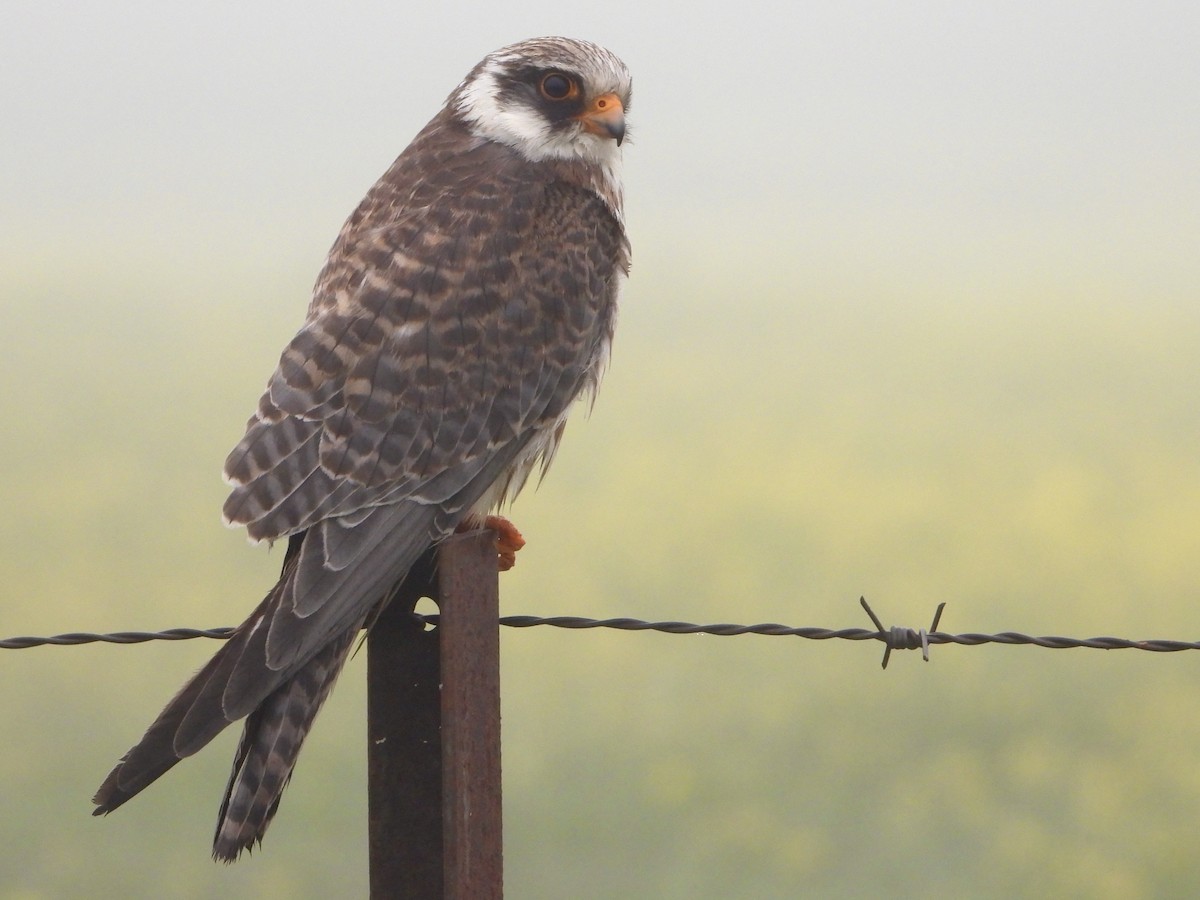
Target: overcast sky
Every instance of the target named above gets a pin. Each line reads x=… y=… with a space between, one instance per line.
x=923 y=130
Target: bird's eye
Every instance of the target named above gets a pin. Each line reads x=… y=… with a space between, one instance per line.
x=557 y=86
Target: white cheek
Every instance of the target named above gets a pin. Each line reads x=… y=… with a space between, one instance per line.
x=519 y=127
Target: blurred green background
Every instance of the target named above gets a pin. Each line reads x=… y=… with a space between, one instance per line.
x=915 y=314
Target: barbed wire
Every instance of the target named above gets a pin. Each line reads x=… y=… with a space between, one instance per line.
x=119 y=637
x=894 y=638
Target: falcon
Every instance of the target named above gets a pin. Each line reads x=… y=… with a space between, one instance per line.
x=468 y=301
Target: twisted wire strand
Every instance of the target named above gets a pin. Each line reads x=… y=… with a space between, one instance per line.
x=894 y=638
x=120 y=637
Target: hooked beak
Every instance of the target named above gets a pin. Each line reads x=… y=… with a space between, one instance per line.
x=605 y=116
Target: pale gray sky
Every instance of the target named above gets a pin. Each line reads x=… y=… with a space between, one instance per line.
x=918 y=135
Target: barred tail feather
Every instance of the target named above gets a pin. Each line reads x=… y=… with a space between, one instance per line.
x=270 y=744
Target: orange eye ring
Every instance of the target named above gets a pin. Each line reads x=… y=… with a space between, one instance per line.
x=556 y=87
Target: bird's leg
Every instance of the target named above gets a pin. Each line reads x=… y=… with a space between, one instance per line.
x=508 y=539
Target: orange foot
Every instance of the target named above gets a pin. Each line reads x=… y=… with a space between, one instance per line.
x=508 y=539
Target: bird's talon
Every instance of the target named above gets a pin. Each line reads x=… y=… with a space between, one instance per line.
x=508 y=541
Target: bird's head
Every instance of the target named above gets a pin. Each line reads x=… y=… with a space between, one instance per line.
x=549 y=98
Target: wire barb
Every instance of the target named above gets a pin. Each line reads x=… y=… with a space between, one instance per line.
x=899 y=638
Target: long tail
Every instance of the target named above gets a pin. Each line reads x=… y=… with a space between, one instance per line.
x=194 y=717
x=270 y=744
x=281 y=708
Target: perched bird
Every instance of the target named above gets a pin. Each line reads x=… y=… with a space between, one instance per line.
x=464 y=307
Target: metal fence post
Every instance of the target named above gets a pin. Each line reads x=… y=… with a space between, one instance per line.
x=471 y=787
x=433 y=711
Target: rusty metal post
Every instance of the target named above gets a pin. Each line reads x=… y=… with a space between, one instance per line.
x=404 y=753
x=433 y=710
x=471 y=789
